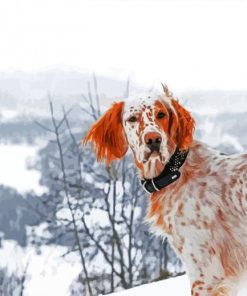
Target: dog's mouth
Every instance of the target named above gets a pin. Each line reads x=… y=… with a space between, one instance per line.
x=152 y=155
x=153 y=163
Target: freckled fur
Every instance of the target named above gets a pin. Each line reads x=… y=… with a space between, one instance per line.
x=204 y=212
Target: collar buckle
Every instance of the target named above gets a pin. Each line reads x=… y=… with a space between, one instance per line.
x=155 y=187
x=144 y=187
x=149 y=182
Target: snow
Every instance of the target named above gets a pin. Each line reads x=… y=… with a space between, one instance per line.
x=178 y=286
x=46 y=271
x=172 y=287
x=14 y=171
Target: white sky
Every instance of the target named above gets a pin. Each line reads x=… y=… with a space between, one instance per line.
x=187 y=44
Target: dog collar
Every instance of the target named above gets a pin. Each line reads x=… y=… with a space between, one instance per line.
x=169 y=174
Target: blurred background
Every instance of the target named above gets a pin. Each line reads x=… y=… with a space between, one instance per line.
x=68 y=225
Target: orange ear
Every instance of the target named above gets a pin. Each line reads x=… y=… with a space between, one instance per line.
x=107 y=134
x=185 y=125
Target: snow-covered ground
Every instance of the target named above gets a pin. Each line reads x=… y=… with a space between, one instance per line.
x=178 y=286
x=47 y=273
x=13 y=168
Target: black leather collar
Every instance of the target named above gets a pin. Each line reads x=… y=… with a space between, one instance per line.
x=169 y=174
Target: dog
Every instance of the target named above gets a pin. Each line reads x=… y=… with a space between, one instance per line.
x=197 y=195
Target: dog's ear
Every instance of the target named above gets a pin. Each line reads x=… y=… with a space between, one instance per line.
x=107 y=135
x=183 y=126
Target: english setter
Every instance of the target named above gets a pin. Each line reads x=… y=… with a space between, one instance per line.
x=197 y=196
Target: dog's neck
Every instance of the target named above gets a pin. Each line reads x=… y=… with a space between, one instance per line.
x=198 y=162
x=183 y=165
x=169 y=174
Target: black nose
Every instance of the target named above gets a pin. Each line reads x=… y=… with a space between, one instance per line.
x=154 y=145
x=153 y=141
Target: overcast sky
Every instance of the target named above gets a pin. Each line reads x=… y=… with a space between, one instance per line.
x=187 y=44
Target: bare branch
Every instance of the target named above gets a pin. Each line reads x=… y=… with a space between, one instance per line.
x=43 y=126
x=64 y=116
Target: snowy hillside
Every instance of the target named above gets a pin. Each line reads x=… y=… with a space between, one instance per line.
x=178 y=286
x=173 y=287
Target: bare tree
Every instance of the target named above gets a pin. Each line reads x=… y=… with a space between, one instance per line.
x=97 y=211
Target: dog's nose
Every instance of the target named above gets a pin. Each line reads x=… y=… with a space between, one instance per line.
x=153 y=141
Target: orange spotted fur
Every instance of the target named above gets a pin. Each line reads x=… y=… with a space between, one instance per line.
x=204 y=212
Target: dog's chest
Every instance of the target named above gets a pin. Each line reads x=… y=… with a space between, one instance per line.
x=181 y=215
x=187 y=218
x=200 y=222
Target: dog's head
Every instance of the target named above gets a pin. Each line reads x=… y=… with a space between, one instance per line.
x=152 y=126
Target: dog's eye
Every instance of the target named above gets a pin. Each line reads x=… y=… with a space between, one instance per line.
x=132 y=119
x=161 y=115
